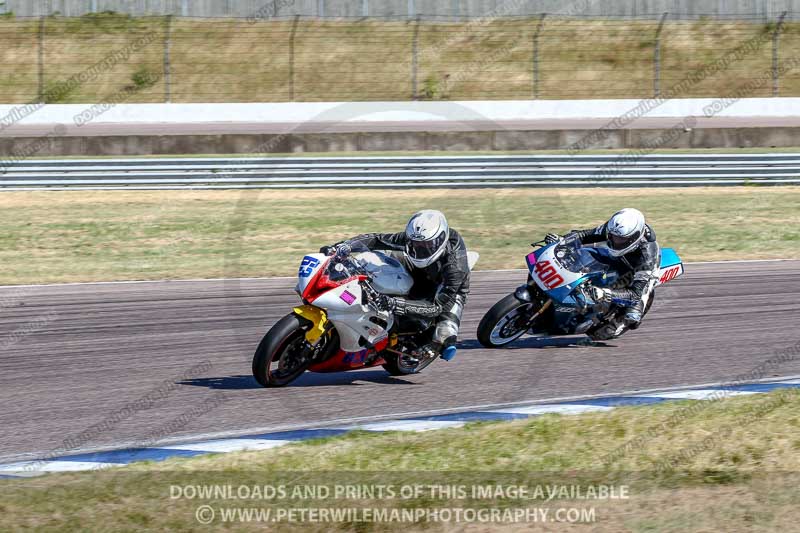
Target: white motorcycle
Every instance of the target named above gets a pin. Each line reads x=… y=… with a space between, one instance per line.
x=338 y=328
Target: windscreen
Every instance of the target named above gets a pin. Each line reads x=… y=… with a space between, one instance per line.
x=345 y=266
x=578 y=259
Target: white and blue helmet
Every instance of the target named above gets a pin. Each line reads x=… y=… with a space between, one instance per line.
x=427 y=233
x=625 y=230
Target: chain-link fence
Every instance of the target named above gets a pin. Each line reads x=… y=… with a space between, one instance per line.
x=161 y=59
x=404 y=9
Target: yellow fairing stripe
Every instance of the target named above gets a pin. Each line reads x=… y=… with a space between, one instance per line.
x=317 y=317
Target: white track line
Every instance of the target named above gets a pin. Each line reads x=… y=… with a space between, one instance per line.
x=131 y=282
x=526 y=405
x=405 y=425
x=55 y=466
x=702 y=394
x=467 y=408
x=229 y=445
x=521 y=407
x=554 y=409
x=740 y=261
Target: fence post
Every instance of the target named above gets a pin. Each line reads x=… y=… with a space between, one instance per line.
x=536 y=55
x=456 y=8
x=167 y=63
x=291 y=56
x=775 y=40
x=40 y=38
x=184 y=8
x=414 y=58
x=657 y=57
x=321 y=8
x=412 y=10
x=93 y=6
x=364 y=8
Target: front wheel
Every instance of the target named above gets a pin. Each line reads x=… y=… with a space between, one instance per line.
x=505 y=322
x=283 y=354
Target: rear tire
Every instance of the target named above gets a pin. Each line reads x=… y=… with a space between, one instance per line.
x=500 y=325
x=284 y=345
x=395 y=367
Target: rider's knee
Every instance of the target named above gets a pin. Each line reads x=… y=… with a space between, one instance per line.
x=446 y=333
x=633 y=318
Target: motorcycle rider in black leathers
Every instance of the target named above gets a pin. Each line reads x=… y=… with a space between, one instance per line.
x=436 y=258
x=636 y=256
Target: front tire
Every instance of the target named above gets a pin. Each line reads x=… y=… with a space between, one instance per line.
x=283 y=354
x=505 y=322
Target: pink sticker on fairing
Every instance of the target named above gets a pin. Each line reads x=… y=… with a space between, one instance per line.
x=531 y=257
x=348 y=297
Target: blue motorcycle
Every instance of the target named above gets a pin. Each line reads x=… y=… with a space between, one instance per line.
x=558 y=297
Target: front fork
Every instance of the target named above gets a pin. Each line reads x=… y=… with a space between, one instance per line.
x=319 y=330
x=529 y=294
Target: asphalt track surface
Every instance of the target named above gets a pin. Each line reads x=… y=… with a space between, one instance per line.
x=106 y=365
x=362 y=126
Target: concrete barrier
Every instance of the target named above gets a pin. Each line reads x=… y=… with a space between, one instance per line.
x=141 y=129
x=122 y=145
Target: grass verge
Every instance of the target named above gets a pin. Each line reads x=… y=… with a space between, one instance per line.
x=734 y=466
x=221 y=60
x=120 y=235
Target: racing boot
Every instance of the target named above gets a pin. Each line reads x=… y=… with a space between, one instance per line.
x=610 y=330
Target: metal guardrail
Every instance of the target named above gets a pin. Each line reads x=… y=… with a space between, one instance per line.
x=625 y=170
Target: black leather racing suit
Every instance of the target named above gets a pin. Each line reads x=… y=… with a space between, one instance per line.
x=637 y=270
x=439 y=290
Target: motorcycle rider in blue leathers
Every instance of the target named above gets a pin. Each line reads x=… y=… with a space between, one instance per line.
x=635 y=255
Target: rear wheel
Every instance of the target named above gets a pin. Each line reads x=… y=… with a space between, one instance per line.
x=397 y=367
x=402 y=366
x=505 y=322
x=283 y=354
x=399 y=361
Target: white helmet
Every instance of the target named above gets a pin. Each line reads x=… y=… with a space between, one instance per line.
x=427 y=234
x=625 y=230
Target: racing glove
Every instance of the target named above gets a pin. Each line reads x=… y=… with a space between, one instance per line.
x=340 y=250
x=390 y=304
x=551 y=238
x=380 y=301
x=394 y=304
x=601 y=295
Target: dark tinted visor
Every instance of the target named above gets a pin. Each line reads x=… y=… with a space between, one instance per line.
x=425 y=249
x=615 y=242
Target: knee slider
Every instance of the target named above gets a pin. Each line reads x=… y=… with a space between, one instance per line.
x=446 y=333
x=633 y=318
